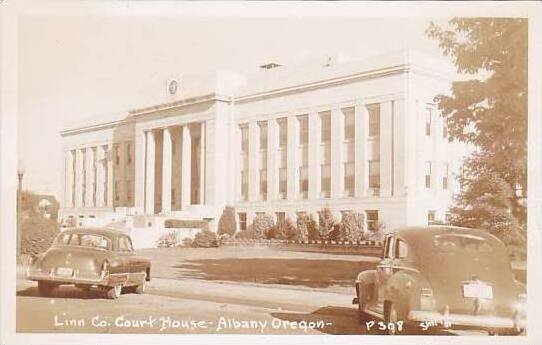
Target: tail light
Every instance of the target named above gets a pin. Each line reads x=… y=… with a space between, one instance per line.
x=427 y=301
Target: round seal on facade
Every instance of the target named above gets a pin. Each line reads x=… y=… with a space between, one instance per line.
x=173 y=86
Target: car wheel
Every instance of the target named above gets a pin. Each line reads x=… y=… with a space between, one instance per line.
x=45 y=288
x=141 y=287
x=114 y=292
x=391 y=317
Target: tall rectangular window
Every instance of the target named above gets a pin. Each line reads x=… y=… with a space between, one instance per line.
x=325 y=180
x=283 y=183
x=372 y=219
x=428 y=174
x=374 y=119
x=74 y=172
x=374 y=177
x=281 y=217
x=242 y=216
x=349 y=123
x=325 y=126
x=304 y=182
x=303 y=129
x=263 y=184
x=263 y=135
x=428 y=120
x=445 y=176
x=116 y=190
x=117 y=154
x=128 y=152
x=283 y=132
x=244 y=161
x=128 y=192
x=107 y=153
x=349 y=178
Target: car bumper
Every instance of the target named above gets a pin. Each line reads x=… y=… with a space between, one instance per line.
x=479 y=321
x=103 y=279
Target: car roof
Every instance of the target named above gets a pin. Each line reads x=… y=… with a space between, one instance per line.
x=417 y=233
x=109 y=232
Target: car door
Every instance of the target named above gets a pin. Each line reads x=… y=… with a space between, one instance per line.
x=124 y=253
x=384 y=269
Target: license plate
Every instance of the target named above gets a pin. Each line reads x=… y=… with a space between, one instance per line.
x=477 y=290
x=64 y=271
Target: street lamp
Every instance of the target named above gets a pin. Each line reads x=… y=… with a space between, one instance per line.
x=20 y=174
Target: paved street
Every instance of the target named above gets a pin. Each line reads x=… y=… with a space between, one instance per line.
x=192 y=306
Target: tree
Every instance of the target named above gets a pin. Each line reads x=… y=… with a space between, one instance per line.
x=308 y=228
x=284 y=230
x=352 y=227
x=261 y=225
x=227 y=223
x=327 y=223
x=488 y=111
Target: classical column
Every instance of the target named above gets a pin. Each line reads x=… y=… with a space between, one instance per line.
x=166 y=171
x=253 y=149
x=78 y=178
x=337 y=148
x=386 y=113
x=292 y=157
x=139 y=177
x=68 y=179
x=272 y=164
x=90 y=177
x=360 y=150
x=100 y=178
x=110 y=161
x=314 y=160
x=149 y=181
x=186 y=180
x=202 y=164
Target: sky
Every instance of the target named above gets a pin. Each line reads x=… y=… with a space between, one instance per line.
x=74 y=68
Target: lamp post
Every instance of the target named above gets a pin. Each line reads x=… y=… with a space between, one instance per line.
x=20 y=174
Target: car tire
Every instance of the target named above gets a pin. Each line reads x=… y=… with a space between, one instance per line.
x=391 y=316
x=114 y=292
x=45 y=288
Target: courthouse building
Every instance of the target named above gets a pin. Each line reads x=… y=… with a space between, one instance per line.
x=338 y=133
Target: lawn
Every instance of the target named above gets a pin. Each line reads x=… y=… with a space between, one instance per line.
x=259 y=265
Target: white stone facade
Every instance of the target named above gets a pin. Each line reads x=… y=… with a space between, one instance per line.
x=359 y=136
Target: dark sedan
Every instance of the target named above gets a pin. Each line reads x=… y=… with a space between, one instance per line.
x=86 y=258
x=446 y=277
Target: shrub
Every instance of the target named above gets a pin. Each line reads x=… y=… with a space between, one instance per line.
x=261 y=225
x=308 y=228
x=205 y=239
x=187 y=242
x=327 y=223
x=37 y=232
x=378 y=233
x=167 y=240
x=227 y=223
x=352 y=227
x=284 y=230
x=247 y=234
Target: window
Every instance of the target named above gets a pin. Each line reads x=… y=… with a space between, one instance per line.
x=304 y=182
x=116 y=190
x=94 y=175
x=128 y=153
x=129 y=191
x=374 y=119
x=428 y=118
x=303 y=129
x=349 y=123
x=427 y=174
x=84 y=186
x=173 y=196
x=244 y=137
x=283 y=132
x=325 y=191
x=283 y=183
x=242 y=220
x=325 y=126
x=117 y=154
x=244 y=185
x=430 y=217
x=349 y=178
x=372 y=219
x=388 y=247
x=374 y=177
x=401 y=249
x=263 y=135
x=281 y=217
x=445 y=176
x=124 y=244
x=263 y=184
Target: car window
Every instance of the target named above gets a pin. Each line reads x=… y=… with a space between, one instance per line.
x=90 y=240
x=401 y=249
x=462 y=242
x=389 y=248
x=125 y=244
x=62 y=239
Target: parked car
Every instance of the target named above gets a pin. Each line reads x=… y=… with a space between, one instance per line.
x=87 y=258
x=445 y=277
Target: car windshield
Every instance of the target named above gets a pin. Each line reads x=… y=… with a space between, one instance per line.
x=462 y=243
x=84 y=240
